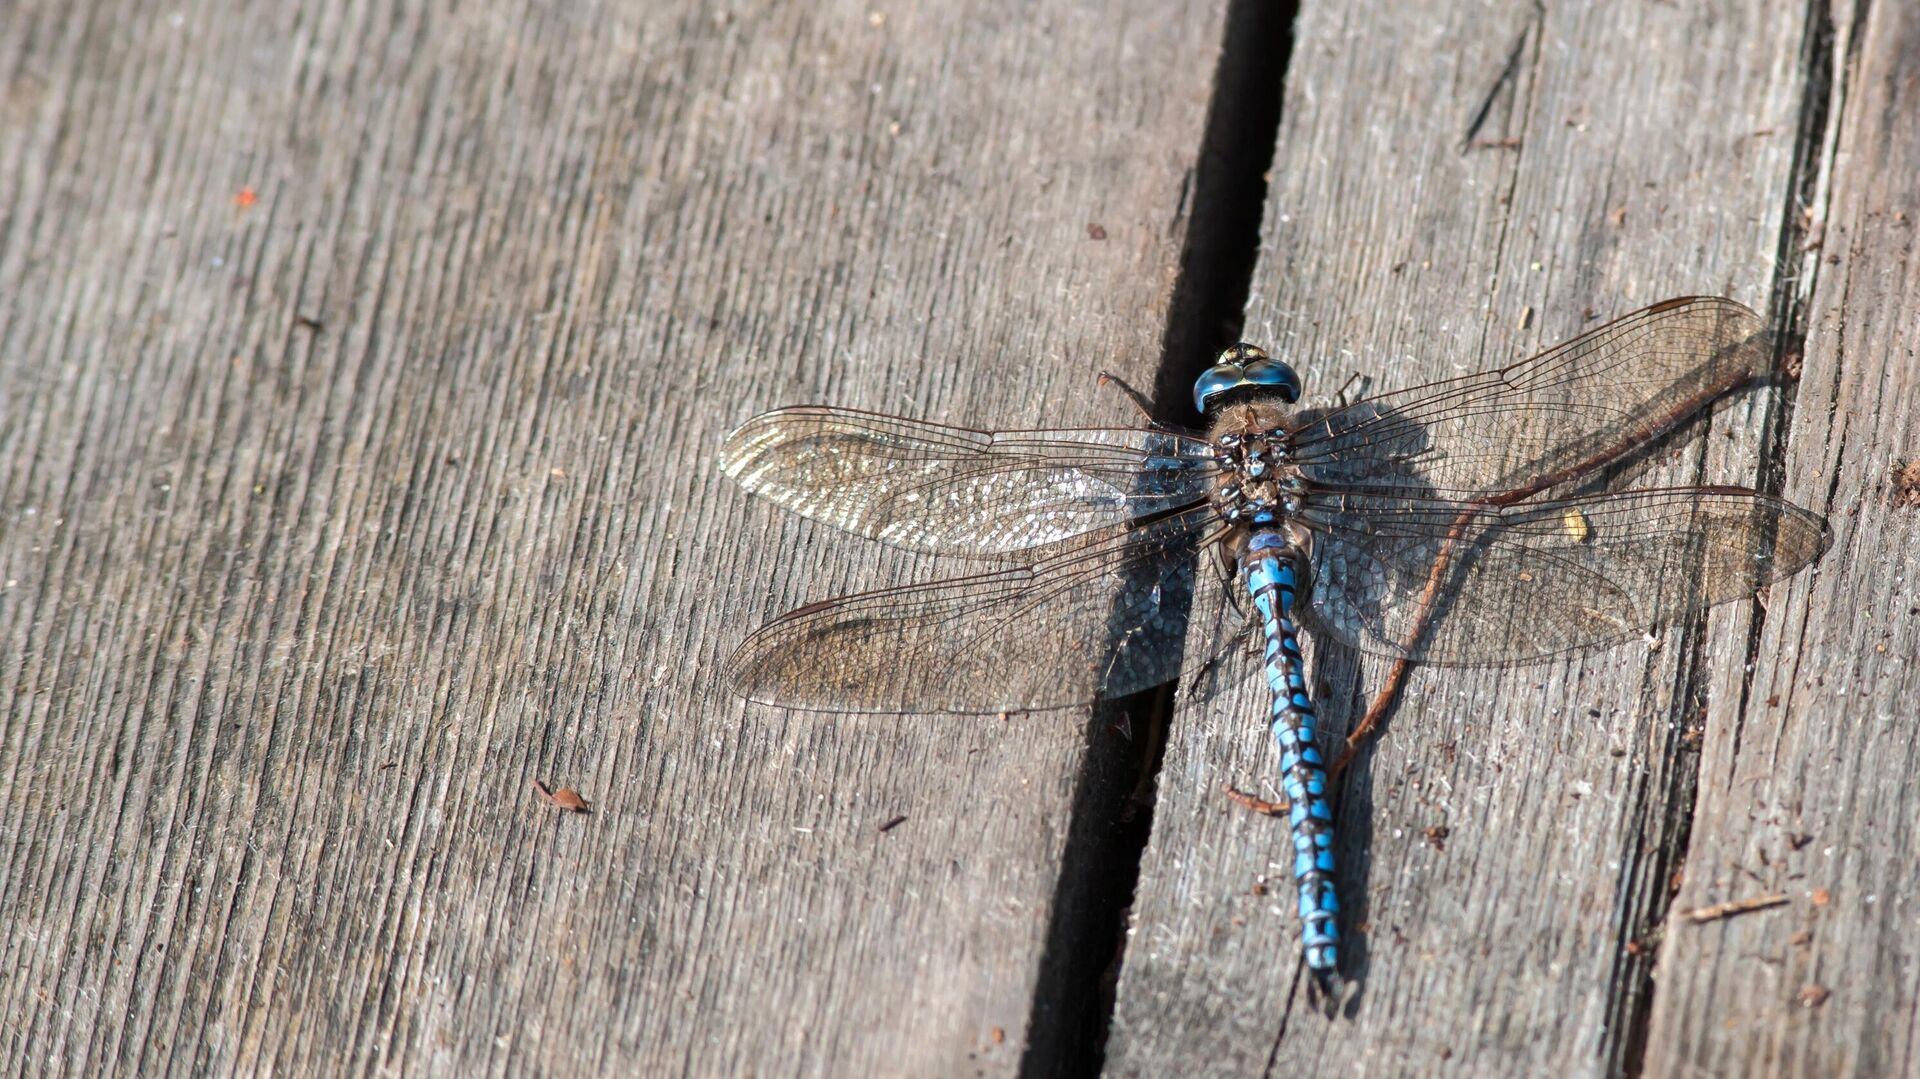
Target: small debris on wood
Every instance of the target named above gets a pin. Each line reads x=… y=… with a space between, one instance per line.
x=1821 y=897
x=998 y=1035
x=1796 y=840
x=1248 y=801
x=1526 y=316
x=308 y=322
x=1728 y=909
x=1814 y=995
x=245 y=197
x=894 y=823
x=1259 y=887
x=1801 y=939
x=1096 y=231
x=1437 y=836
x=1906 y=485
x=1635 y=948
x=1792 y=362
x=1618 y=217
x=565 y=798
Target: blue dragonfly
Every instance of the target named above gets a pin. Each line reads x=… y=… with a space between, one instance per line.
x=1442 y=524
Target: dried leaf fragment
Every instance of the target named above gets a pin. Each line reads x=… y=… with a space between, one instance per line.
x=565 y=798
x=1252 y=802
x=1906 y=485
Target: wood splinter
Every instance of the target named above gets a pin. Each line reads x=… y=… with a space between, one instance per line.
x=1699 y=915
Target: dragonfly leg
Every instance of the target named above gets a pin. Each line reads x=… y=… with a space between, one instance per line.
x=1227 y=570
x=1344 y=399
x=1107 y=378
x=1204 y=676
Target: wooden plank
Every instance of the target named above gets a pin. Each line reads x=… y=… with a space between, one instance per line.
x=1806 y=785
x=1455 y=186
x=361 y=371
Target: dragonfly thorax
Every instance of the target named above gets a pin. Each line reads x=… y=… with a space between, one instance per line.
x=1258 y=484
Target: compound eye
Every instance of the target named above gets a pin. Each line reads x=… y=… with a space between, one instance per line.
x=1278 y=375
x=1217 y=380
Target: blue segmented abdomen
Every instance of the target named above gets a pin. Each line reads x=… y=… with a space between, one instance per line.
x=1272 y=576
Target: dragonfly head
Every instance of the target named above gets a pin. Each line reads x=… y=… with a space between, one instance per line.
x=1244 y=367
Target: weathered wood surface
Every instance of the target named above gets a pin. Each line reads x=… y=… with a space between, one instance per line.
x=1807 y=784
x=1652 y=154
x=330 y=522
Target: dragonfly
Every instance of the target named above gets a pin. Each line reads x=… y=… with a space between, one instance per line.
x=1452 y=523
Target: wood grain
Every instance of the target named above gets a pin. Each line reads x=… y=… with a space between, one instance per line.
x=361 y=372
x=1452 y=191
x=361 y=368
x=1806 y=779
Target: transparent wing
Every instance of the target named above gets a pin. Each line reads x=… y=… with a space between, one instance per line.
x=955 y=491
x=1543 y=578
x=1539 y=421
x=1100 y=616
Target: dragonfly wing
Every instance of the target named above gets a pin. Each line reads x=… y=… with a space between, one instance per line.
x=1531 y=425
x=951 y=490
x=1539 y=579
x=1102 y=616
